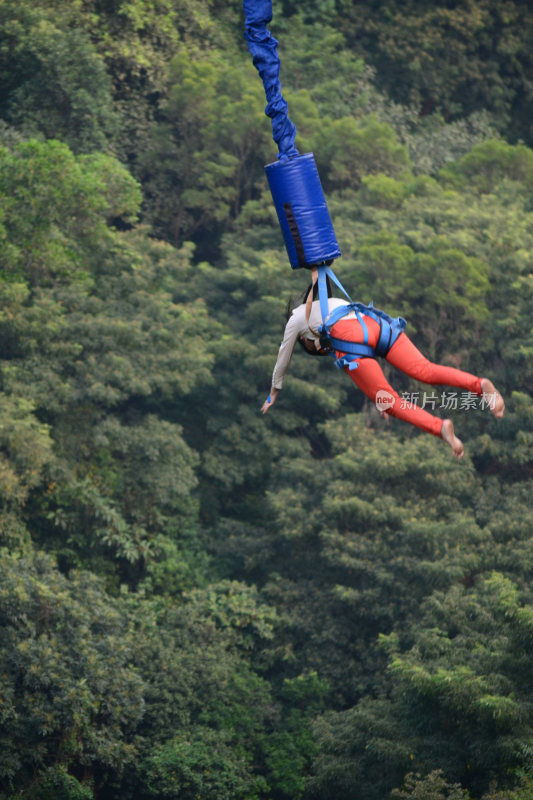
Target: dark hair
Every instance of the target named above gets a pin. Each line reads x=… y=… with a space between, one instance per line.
x=300 y=299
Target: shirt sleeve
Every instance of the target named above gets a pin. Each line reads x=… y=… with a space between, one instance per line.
x=292 y=331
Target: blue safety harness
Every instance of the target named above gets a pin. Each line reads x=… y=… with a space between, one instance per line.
x=389 y=328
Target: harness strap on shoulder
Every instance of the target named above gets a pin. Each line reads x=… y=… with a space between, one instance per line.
x=323 y=292
x=328 y=320
x=329 y=272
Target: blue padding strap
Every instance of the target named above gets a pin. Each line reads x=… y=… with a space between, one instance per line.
x=352 y=348
x=390 y=328
x=385 y=338
x=352 y=362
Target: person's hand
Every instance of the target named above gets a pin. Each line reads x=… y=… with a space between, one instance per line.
x=271 y=399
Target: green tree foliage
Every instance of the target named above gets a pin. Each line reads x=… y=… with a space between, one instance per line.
x=89 y=72
x=490 y=163
x=206 y=708
x=55 y=209
x=315 y=604
x=316 y=59
x=202 y=166
x=74 y=356
x=137 y=40
x=458 y=57
x=350 y=150
x=459 y=696
x=54 y=82
x=25 y=450
x=522 y=792
x=69 y=694
x=200 y=767
x=57 y=784
x=289 y=749
x=432 y=787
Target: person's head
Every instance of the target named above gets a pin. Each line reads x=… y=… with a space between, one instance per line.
x=309 y=345
x=313 y=346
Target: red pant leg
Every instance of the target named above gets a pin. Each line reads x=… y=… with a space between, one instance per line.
x=405 y=356
x=370 y=379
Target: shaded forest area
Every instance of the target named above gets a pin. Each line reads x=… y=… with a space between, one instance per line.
x=196 y=602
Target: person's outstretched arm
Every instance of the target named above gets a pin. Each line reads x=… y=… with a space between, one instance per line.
x=292 y=331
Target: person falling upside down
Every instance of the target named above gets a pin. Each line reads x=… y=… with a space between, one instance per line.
x=366 y=373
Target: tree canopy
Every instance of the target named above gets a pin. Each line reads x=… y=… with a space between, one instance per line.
x=198 y=602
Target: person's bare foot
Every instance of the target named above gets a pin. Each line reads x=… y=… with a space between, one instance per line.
x=447 y=433
x=492 y=397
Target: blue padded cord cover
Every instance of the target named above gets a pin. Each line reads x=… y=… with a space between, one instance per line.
x=302 y=211
x=264 y=49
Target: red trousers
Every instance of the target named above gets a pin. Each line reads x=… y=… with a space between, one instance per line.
x=406 y=357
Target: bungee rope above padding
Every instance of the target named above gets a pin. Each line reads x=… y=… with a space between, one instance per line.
x=264 y=49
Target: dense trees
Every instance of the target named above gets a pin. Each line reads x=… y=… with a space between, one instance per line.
x=197 y=602
x=455 y=57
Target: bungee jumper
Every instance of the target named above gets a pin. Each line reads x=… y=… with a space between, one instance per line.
x=354 y=333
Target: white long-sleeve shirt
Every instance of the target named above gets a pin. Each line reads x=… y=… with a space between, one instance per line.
x=296 y=327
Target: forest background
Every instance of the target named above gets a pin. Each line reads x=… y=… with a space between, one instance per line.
x=196 y=602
